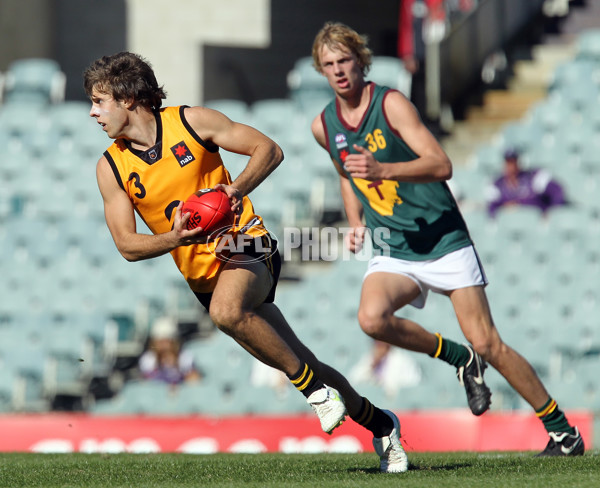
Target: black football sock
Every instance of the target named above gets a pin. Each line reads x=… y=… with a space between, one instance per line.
x=305 y=381
x=373 y=419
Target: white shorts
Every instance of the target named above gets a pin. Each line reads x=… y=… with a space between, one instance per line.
x=458 y=269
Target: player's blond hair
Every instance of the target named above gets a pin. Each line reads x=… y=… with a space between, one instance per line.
x=336 y=35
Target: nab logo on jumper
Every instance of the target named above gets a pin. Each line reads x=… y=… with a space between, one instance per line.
x=182 y=154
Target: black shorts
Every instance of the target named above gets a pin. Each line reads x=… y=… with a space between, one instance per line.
x=263 y=249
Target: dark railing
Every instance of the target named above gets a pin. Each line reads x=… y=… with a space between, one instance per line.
x=454 y=63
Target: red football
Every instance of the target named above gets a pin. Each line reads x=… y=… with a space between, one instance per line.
x=209 y=209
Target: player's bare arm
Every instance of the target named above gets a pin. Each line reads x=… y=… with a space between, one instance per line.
x=265 y=154
x=120 y=219
x=354 y=212
x=432 y=164
x=352 y=205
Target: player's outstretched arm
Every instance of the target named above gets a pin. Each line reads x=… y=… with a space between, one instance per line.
x=120 y=219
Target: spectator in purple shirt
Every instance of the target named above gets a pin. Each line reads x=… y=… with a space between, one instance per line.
x=517 y=186
x=164 y=360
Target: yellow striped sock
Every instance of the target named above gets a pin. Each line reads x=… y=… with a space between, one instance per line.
x=548 y=408
x=366 y=413
x=439 y=346
x=304 y=379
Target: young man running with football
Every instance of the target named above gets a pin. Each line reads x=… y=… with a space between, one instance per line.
x=159 y=157
x=393 y=172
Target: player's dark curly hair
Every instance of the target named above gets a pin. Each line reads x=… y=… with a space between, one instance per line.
x=124 y=76
x=336 y=35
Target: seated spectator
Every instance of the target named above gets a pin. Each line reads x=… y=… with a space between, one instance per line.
x=164 y=360
x=264 y=375
x=517 y=186
x=386 y=366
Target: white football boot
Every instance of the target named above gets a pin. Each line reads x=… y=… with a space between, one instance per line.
x=329 y=407
x=390 y=450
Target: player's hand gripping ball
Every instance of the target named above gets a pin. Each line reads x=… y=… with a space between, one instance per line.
x=209 y=209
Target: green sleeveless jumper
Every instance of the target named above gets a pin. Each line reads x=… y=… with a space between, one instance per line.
x=411 y=221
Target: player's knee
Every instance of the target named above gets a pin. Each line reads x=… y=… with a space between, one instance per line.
x=372 y=324
x=487 y=347
x=225 y=317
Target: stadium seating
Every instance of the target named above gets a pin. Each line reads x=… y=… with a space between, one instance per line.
x=308 y=88
x=236 y=110
x=311 y=91
x=32 y=80
x=588 y=45
x=73 y=310
x=390 y=71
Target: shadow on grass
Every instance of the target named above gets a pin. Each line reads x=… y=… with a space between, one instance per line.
x=416 y=467
x=444 y=467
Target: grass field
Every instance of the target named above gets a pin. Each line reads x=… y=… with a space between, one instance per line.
x=448 y=470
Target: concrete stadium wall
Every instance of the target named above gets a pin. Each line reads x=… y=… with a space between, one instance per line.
x=201 y=50
x=25 y=30
x=172 y=38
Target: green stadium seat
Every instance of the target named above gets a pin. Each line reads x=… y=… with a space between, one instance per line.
x=235 y=163
x=488 y=159
x=551 y=154
x=137 y=397
x=523 y=135
x=577 y=387
x=390 y=71
x=265 y=400
x=468 y=186
x=520 y=222
x=236 y=110
x=579 y=96
x=70 y=118
x=308 y=88
x=587 y=45
x=34 y=80
x=24 y=356
x=550 y=114
x=277 y=117
x=7 y=377
x=575 y=72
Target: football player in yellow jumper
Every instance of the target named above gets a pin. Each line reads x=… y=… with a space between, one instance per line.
x=158 y=158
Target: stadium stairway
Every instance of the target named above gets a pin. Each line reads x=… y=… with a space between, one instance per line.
x=500 y=107
x=528 y=85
